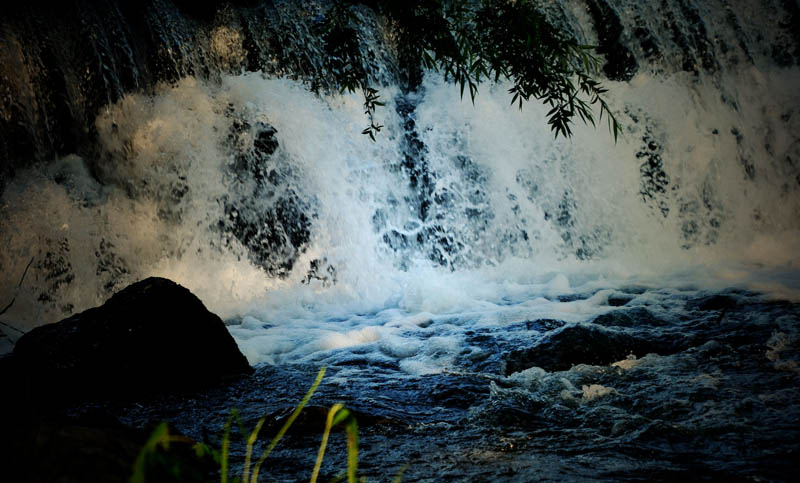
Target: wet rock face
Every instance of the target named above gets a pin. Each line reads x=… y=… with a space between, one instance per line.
x=637 y=317
x=620 y=62
x=64 y=61
x=153 y=336
x=267 y=212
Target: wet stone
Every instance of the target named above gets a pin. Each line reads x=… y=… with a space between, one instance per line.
x=618 y=300
x=572 y=297
x=712 y=302
x=150 y=337
x=578 y=344
x=636 y=317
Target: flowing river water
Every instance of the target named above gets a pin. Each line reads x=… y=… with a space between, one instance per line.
x=491 y=301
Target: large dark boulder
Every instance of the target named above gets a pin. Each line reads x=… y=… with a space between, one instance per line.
x=153 y=336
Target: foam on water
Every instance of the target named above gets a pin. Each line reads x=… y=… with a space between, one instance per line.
x=516 y=220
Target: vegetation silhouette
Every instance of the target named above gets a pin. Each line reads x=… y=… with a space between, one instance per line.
x=471 y=42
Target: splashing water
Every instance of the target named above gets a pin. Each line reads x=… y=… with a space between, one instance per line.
x=533 y=282
x=263 y=198
x=266 y=201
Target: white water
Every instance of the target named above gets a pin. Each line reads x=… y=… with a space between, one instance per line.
x=100 y=237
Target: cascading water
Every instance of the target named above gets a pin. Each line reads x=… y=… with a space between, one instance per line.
x=466 y=236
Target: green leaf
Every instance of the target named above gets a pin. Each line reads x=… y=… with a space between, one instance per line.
x=467 y=42
x=159 y=436
x=352 y=450
x=340 y=416
x=324 y=444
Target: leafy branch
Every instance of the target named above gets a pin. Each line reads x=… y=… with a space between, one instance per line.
x=371 y=102
x=344 y=61
x=471 y=42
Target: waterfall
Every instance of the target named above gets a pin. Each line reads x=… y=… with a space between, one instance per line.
x=184 y=142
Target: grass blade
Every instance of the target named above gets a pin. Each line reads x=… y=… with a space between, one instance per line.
x=329 y=422
x=398 y=478
x=287 y=424
x=352 y=450
x=251 y=439
x=226 y=444
x=158 y=436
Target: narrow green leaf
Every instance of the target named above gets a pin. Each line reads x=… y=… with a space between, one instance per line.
x=251 y=439
x=157 y=437
x=226 y=444
x=287 y=424
x=352 y=450
x=325 y=435
x=342 y=414
x=398 y=478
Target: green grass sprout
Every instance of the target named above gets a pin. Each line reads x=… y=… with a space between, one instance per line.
x=286 y=425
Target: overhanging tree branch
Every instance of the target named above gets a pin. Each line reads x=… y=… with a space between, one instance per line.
x=471 y=42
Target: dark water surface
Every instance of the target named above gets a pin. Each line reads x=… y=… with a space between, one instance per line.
x=713 y=396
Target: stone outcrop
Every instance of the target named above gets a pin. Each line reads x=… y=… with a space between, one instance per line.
x=153 y=336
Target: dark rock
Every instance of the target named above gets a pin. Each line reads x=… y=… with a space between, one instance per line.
x=712 y=302
x=578 y=344
x=634 y=289
x=620 y=62
x=573 y=297
x=265 y=142
x=311 y=422
x=153 y=336
x=267 y=211
x=619 y=299
x=67 y=450
x=637 y=317
x=543 y=325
